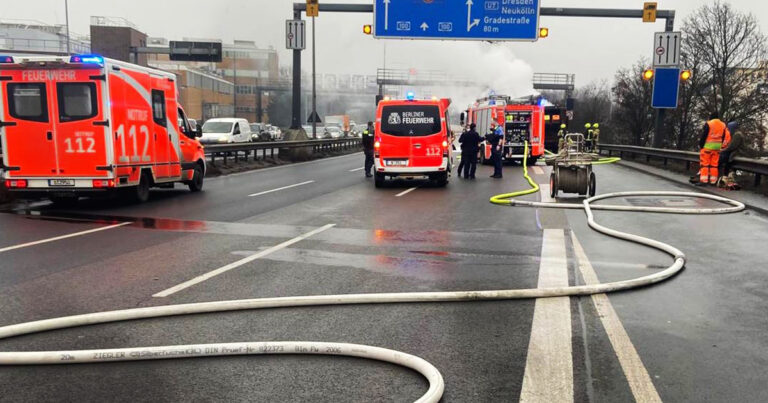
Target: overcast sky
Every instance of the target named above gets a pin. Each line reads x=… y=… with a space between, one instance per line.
x=591 y=48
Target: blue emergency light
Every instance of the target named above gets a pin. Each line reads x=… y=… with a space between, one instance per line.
x=410 y=95
x=89 y=59
x=6 y=59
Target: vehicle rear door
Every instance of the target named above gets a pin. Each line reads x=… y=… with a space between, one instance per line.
x=27 y=128
x=395 y=146
x=428 y=132
x=80 y=130
x=164 y=124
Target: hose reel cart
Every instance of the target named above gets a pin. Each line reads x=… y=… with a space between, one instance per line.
x=572 y=168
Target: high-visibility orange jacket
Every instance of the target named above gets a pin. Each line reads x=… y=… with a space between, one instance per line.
x=714 y=135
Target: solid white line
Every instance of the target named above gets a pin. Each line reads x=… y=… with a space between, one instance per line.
x=405 y=192
x=537 y=170
x=234 y=265
x=357 y=169
x=282 y=188
x=549 y=366
x=637 y=375
x=58 y=238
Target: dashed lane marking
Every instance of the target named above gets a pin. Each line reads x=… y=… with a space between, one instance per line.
x=401 y=194
x=549 y=366
x=58 y=238
x=637 y=375
x=234 y=265
x=282 y=188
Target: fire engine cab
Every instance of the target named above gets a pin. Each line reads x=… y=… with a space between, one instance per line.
x=413 y=140
x=521 y=122
x=85 y=125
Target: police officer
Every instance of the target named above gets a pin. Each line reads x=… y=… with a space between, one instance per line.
x=470 y=145
x=561 y=138
x=368 y=140
x=461 y=142
x=495 y=138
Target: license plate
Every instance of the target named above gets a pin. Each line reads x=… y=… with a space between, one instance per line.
x=61 y=182
x=396 y=163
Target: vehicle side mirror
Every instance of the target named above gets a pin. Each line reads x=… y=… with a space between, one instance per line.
x=198 y=131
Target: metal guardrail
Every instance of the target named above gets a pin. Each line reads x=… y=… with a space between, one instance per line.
x=756 y=167
x=238 y=151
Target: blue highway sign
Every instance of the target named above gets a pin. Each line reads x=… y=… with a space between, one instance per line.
x=486 y=20
x=666 y=85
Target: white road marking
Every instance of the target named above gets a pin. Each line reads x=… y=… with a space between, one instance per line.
x=544 y=193
x=637 y=375
x=405 y=192
x=537 y=170
x=549 y=366
x=282 y=188
x=356 y=169
x=234 y=265
x=58 y=238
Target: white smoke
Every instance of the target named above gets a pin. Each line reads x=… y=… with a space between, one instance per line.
x=488 y=66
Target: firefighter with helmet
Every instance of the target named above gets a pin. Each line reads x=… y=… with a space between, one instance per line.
x=595 y=137
x=561 y=138
x=587 y=134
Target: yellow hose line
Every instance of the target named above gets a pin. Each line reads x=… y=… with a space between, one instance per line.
x=503 y=199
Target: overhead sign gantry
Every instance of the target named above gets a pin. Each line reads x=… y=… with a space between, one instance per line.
x=495 y=20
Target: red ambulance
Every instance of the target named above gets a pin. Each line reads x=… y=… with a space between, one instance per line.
x=522 y=122
x=413 y=140
x=85 y=125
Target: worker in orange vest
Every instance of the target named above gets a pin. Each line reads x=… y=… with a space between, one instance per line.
x=713 y=135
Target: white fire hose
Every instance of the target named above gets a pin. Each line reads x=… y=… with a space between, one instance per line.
x=436 y=384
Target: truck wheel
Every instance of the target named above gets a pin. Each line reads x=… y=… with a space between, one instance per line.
x=442 y=180
x=378 y=179
x=141 y=191
x=196 y=184
x=592 y=184
x=552 y=185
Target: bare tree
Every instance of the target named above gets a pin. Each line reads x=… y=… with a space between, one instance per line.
x=632 y=113
x=726 y=51
x=593 y=105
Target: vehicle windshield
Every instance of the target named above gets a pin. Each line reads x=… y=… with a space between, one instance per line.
x=217 y=127
x=410 y=120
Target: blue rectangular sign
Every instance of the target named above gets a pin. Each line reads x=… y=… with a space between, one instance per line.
x=666 y=85
x=486 y=20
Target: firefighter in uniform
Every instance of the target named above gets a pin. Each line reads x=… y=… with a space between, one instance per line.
x=368 y=140
x=561 y=138
x=713 y=135
x=595 y=137
x=588 y=136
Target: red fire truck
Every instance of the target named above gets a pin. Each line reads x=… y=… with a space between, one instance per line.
x=521 y=122
x=86 y=125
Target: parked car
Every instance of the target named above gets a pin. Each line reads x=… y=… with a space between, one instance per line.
x=259 y=132
x=226 y=130
x=334 y=132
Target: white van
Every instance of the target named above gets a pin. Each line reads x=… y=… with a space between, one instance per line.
x=226 y=130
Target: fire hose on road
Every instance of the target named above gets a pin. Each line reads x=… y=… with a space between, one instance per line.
x=436 y=383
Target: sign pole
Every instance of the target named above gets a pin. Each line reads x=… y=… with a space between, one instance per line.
x=296 y=101
x=314 y=88
x=661 y=113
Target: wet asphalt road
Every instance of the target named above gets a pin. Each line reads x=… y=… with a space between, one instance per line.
x=701 y=336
